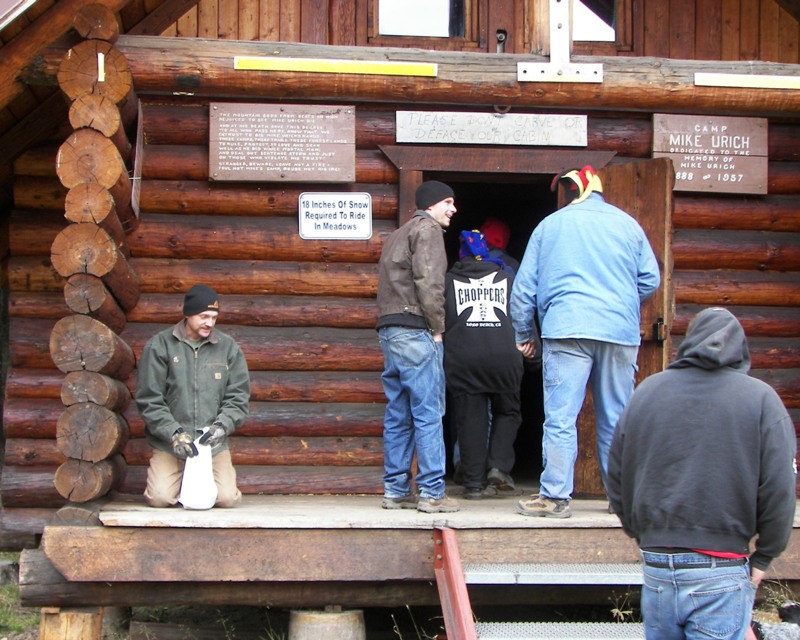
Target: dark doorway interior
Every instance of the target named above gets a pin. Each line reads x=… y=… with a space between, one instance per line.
x=522 y=202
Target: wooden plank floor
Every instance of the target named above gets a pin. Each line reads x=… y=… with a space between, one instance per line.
x=352 y=512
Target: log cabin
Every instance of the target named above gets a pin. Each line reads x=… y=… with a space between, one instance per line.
x=118 y=195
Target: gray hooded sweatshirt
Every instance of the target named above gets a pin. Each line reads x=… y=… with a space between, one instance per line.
x=703 y=456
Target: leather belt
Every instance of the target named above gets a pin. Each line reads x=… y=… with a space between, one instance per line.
x=695 y=564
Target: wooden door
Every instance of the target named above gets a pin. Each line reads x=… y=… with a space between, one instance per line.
x=644 y=190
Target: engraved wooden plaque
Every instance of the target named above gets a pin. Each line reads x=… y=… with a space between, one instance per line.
x=714 y=153
x=281 y=143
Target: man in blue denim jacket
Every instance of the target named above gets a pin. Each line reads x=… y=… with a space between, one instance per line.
x=410 y=325
x=585 y=272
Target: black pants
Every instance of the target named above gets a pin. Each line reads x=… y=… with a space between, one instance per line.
x=480 y=447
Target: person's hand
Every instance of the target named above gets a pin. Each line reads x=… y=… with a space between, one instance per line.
x=528 y=349
x=756 y=576
x=182 y=445
x=214 y=436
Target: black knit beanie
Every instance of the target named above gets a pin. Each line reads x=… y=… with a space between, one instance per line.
x=198 y=299
x=431 y=192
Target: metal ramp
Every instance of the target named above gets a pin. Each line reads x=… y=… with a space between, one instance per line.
x=452 y=579
x=560 y=630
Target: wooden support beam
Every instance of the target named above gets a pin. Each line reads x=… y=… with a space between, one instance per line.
x=204 y=68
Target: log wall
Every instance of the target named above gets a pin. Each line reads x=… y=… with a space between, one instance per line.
x=304 y=311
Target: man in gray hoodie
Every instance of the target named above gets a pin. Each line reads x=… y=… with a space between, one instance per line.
x=701 y=463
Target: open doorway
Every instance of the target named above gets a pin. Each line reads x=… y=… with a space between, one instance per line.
x=521 y=204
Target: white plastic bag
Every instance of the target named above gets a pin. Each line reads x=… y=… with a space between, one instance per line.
x=198 y=489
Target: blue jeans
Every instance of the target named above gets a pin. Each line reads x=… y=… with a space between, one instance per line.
x=695 y=603
x=413 y=381
x=567 y=366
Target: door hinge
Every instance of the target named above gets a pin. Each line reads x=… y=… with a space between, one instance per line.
x=659 y=331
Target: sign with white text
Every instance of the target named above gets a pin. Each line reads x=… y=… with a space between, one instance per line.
x=455 y=127
x=714 y=153
x=335 y=216
x=281 y=142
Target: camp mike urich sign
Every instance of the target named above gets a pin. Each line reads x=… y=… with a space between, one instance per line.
x=713 y=153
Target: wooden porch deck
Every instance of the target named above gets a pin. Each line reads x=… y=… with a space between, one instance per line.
x=312 y=551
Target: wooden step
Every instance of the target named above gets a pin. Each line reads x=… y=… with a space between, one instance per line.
x=559 y=630
x=563 y=574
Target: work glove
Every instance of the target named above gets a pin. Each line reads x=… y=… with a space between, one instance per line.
x=182 y=444
x=215 y=435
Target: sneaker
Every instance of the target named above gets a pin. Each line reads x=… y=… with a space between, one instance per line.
x=440 y=505
x=403 y=502
x=501 y=480
x=544 y=507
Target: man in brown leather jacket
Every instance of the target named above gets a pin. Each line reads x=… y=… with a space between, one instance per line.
x=410 y=325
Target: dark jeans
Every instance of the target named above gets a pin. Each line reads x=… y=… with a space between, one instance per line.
x=481 y=447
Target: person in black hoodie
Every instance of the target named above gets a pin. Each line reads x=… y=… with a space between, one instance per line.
x=483 y=367
x=701 y=463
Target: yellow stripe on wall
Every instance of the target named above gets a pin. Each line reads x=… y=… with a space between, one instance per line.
x=315 y=65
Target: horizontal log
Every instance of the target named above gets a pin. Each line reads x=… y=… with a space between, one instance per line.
x=256 y=277
x=735 y=287
x=82 y=481
x=34 y=273
x=754 y=250
x=33 y=232
x=89 y=386
x=247 y=238
x=42 y=585
x=98 y=112
x=91 y=202
x=29 y=421
x=32 y=486
x=86 y=248
x=769 y=213
x=86 y=294
x=266 y=311
x=96 y=21
x=259 y=277
x=316 y=386
x=36 y=193
x=287 y=451
x=89 y=156
x=265 y=386
x=291 y=348
x=762 y=322
x=200 y=237
x=30 y=521
x=784 y=381
x=278 y=480
x=190 y=162
x=633 y=84
x=31 y=418
x=91 y=433
x=767 y=353
x=46 y=305
x=782 y=177
x=42 y=383
x=237 y=199
x=80 y=343
x=174 y=121
x=32 y=452
x=80 y=72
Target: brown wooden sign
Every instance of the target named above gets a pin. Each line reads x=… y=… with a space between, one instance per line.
x=713 y=153
x=281 y=143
